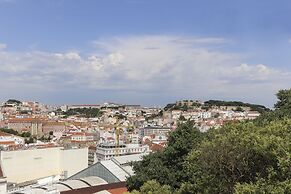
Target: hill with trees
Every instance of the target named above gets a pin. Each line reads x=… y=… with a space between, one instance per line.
x=247 y=157
x=215 y=103
x=86 y=112
x=219 y=103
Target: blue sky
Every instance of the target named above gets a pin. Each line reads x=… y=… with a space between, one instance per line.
x=144 y=51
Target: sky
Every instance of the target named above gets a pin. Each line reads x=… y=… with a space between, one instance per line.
x=149 y=52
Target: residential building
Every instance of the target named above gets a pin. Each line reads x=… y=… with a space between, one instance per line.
x=106 y=151
x=147 y=131
x=7 y=140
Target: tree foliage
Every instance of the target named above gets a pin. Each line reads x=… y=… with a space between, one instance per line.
x=262 y=187
x=284 y=102
x=10 y=131
x=247 y=157
x=86 y=112
x=153 y=187
x=13 y=101
x=167 y=167
x=254 y=107
x=282 y=109
x=241 y=153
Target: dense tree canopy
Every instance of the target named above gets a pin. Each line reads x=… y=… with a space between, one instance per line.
x=167 y=167
x=284 y=101
x=86 y=112
x=247 y=157
x=153 y=187
x=241 y=154
x=13 y=101
x=254 y=107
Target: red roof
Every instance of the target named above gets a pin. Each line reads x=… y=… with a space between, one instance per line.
x=118 y=190
x=5 y=134
x=7 y=143
x=23 y=120
x=156 y=147
x=113 y=188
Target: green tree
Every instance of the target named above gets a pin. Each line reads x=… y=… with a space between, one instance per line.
x=13 y=101
x=239 y=109
x=30 y=140
x=284 y=100
x=246 y=157
x=241 y=153
x=282 y=109
x=263 y=187
x=153 y=187
x=182 y=118
x=167 y=167
x=85 y=112
x=11 y=131
x=25 y=134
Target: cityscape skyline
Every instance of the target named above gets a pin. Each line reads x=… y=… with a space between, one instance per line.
x=147 y=52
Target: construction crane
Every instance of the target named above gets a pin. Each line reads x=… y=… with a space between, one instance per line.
x=117 y=135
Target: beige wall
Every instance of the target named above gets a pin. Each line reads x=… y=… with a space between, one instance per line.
x=3 y=186
x=74 y=160
x=27 y=165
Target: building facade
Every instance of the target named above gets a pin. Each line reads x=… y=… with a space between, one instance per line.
x=30 y=165
x=106 y=151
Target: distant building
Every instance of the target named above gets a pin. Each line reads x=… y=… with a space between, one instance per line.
x=83 y=136
x=92 y=158
x=132 y=106
x=106 y=151
x=147 y=131
x=32 y=125
x=7 y=140
x=83 y=106
x=55 y=127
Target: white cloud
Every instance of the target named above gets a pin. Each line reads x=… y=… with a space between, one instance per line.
x=2 y=46
x=168 y=65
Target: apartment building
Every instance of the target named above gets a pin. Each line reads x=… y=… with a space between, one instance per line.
x=106 y=151
x=147 y=131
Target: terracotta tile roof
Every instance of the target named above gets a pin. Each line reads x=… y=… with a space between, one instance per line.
x=114 y=188
x=5 y=134
x=118 y=190
x=156 y=147
x=54 y=123
x=92 y=147
x=7 y=143
x=23 y=120
x=77 y=133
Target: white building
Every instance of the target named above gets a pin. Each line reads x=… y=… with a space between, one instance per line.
x=147 y=131
x=7 y=139
x=134 y=138
x=204 y=115
x=106 y=151
x=30 y=165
